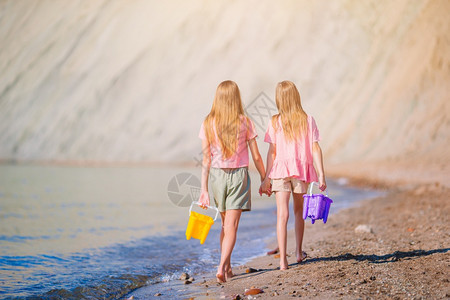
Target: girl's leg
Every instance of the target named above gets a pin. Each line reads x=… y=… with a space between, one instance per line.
x=299 y=225
x=228 y=272
x=222 y=233
x=282 y=219
x=230 y=226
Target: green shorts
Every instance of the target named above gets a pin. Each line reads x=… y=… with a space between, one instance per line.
x=231 y=188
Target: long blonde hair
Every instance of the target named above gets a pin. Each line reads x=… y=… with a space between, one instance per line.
x=294 y=119
x=225 y=116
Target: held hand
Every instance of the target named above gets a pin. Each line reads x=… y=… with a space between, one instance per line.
x=322 y=183
x=268 y=192
x=260 y=191
x=204 y=199
x=266 y=187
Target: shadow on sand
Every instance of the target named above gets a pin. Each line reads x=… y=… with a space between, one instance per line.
x=372 y=258
x=379 y=259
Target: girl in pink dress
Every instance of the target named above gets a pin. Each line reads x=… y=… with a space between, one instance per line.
x=294 y=150
x=226 y=136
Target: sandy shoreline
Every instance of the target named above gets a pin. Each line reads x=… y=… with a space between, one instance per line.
x=404 y=257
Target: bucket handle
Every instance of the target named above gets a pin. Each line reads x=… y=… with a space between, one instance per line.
x=311 y=187
x=211 y=207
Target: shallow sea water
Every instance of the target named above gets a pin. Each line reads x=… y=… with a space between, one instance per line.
x=102 y=232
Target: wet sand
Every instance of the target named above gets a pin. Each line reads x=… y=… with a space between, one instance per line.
x=405 y=254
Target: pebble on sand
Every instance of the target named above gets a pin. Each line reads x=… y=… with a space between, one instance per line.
x=187 y=278
x=254 y=291
x=250 y=270
x=363 y=228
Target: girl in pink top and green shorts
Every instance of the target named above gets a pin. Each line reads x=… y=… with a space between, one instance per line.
x=226 y=135
x=293 y=152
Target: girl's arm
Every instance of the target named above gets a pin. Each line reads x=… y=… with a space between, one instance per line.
x=206 y=165
x=271 y=154
x=257 y=158
x=318 y=162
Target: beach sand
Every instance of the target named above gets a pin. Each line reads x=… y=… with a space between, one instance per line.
x=405 y=256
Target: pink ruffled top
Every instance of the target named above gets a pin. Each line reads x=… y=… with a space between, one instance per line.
x=240 y=157
x=293 y=158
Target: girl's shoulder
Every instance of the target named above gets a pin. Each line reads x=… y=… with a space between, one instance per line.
x=208 y=119
x=311 y=119
x=246 y=121
x=275 y=118
x=275 y=121
x=244 y=118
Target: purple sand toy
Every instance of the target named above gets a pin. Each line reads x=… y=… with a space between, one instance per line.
x=316 y=206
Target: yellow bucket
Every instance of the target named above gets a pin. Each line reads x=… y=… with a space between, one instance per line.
x=199 y=225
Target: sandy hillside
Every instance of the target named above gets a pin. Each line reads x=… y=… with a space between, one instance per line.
x=131 y=81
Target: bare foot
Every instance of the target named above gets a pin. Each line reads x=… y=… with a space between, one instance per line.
x=302 y=258
x=283 y=264
x=229 y=274
x=220 y=278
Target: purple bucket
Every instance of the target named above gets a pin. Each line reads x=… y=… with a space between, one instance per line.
x=316 y=206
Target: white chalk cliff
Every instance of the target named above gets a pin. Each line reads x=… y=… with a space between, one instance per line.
x=131 y=81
